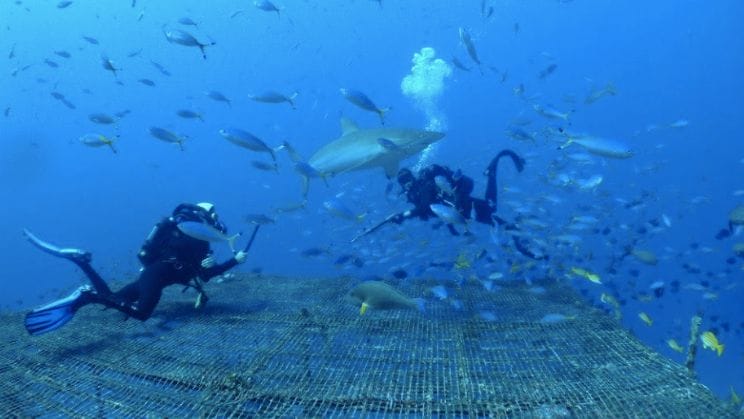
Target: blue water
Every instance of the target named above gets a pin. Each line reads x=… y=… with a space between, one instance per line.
x=670 y=61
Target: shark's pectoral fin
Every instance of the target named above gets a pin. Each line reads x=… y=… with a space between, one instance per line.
x=391 y=169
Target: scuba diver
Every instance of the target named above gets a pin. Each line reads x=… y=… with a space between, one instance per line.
x=440 y=185
x=176 y=251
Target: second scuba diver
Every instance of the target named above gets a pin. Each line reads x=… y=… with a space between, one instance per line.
x=440 y=185
x=177 y=251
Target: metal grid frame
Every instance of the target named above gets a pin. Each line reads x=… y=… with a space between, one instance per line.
x=294 y=347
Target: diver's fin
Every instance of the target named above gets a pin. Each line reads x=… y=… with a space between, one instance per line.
x=55 y=315
x=75 y=255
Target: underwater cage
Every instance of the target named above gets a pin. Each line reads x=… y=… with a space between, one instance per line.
x=295 y=347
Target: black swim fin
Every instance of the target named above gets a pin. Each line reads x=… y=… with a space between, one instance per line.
x=56 y=314
x=75 y=255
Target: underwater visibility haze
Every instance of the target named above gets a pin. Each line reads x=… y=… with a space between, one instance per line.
x=297 y=117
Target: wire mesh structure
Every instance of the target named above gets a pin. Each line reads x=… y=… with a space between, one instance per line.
x=296 y=347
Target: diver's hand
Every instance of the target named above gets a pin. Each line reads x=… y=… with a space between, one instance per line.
x=241 y=256
x=208 y=262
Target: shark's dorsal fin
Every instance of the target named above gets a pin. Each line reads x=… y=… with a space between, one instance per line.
x=348 y=126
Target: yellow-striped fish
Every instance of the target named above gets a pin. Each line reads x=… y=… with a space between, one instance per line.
x=675 y=346
x=646 y=319
x=710 y=341
x=589 y=276
x=735 y=399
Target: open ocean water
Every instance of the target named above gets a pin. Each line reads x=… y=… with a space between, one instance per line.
x=627 y=113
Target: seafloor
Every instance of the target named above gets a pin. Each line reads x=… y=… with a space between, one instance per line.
x=297 y=347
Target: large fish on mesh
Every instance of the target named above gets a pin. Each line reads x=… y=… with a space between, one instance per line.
x=379 y=295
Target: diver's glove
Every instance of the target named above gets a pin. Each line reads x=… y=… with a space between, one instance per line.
x=208 y=262
x=241 y=256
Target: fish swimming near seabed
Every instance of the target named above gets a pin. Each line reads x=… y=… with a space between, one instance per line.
x=379 y=295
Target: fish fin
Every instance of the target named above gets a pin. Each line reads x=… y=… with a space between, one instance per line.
x=292 y=98
x=719 y=349
x=363 y=309
x=231 y=241
x=348 y=126
x=382 y=113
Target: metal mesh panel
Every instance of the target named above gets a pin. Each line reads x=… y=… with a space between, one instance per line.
x=288 y=347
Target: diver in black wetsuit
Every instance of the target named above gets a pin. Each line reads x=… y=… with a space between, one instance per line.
x=169 y=256
x=440 y=185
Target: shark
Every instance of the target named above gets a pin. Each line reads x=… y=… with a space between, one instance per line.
x=360 y=149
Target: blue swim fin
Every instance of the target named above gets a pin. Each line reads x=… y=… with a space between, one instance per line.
x=56 y=314
x=67 y=253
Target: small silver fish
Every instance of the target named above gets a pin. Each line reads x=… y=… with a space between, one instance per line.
x=108 y=65
x=187 y=21
x=187 y=114
x=339 y=209
x=219 y=97
x=271 y=96
x=444 y=186
x=206 y=232
x=260 y=219
x=90 y=40
x=267 y=167
x=469 y=46
x=167 y=136
x=246 y=140
x=177 y=36
x=551 y=113
x=101 y=118
x=457 y=63
x=97 y=140
x=448 y=214
x=266 y=6
x=361 y=100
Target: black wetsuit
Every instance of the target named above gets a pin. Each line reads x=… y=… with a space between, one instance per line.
x=178 y=261
x=422 y=191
